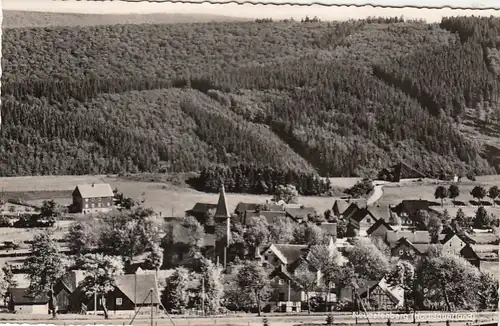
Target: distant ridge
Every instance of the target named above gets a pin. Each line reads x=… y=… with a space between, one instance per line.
x=17 y=19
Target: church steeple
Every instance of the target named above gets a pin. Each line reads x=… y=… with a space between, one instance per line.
x=222 y=212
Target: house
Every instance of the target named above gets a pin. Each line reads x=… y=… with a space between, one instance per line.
x=300 y=214
x=339 y=207
x=382 y=211
x=200 y=211
x=361 y=220
x=407 y=210
x=241 y=208
x=382 y=296
x=21 y=301
x=453 y=243
x=470 y=255
x=282 y=254
x=392 y=237
x=96 y=197
x=379 y=229
x=406 y=250
x=350 y=210
x=65 y=290
x=130 y=291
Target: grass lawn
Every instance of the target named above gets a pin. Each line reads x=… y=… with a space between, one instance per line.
x=395 y=193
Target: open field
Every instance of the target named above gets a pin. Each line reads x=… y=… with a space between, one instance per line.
x=164 y=198
x=395 y=193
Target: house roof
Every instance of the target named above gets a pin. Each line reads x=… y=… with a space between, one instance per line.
x=95 y=190
x=360 y=214
x=221 y=210
x=413 y=236
x=353 y=207
x=137 y=286
x=300 y=212
x=412 y=206
x=483 y=237
x=288 y=253
x=381 y=211
x=243 y=207
x=468 y=252
x=392 y=292
x=72 y=279
x=377 y=224
x=419 y=247
x=21 y=296
x=202 y=208
x=339 y=207
x=271 y=216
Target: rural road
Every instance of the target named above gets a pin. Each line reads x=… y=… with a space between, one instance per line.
x=377 y=193
x=437 y=317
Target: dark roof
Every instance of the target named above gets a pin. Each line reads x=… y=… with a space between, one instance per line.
x=300 y=212
x=242 y=207
x=353 y=208
x=137 y=286
x=377 y=224
x=202 y=208
x=372 y=287
x=221 y=210
x=21 y=296
x=468 y=252
x=419 y=247
x=412 y=206
x=360 y=214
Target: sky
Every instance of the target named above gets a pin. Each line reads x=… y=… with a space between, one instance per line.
x=256 y=11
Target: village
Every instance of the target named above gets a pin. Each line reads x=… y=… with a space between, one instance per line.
x=271 y=256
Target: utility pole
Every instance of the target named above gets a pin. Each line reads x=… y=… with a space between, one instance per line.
x=95 y=300
x=151 y=294
x=203 y=296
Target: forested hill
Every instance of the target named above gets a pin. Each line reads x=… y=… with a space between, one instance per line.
x=337 y=99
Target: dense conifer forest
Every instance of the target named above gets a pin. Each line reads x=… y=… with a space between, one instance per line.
x=307 y=98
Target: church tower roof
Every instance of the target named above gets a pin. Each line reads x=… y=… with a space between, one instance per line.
x=222 y=211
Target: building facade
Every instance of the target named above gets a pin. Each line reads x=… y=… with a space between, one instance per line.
x=91 y=198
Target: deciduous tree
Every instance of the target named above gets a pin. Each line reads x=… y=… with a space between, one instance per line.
x=308 y=281
x=281 y=231
x=253 y=278
x=176 y=294
x=101 y=272
x=288 y=194
x=441 y=193
x=478 y=192
x=44 y=266
x=213 y=285
x=493 y=193
x=453 y=192
x=257 y=232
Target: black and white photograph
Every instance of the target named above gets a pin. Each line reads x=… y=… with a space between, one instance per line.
x=250 y=164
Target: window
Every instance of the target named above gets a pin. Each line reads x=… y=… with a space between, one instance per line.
x=401 y=252
x=98 y=204
x=368 y=220
x=86 y=205
x=281 y=296
x=119 y=301
x=280 y=282
x=86 y=200
x=266 y=258
x=108 y=204
x=93 y=205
